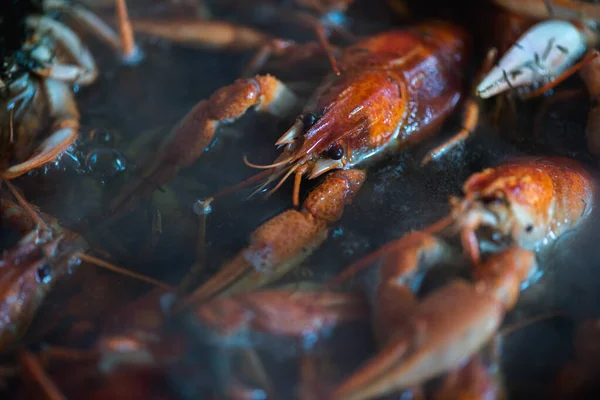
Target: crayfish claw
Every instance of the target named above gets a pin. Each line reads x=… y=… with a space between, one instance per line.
x=454 y=322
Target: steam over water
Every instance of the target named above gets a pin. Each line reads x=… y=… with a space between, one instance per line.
x=132 y=109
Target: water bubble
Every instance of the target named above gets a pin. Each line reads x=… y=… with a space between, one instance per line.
x=103 y=136
x=103 y=162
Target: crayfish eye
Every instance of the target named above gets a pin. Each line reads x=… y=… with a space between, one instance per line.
x=488 y=200
x=309 y=119
x=43 y=273
x=335 y=152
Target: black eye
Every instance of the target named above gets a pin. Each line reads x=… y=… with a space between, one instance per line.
x=103 y=136
x=529 y=228
x=335 y=152
x=43 y=273
x=309 y=120
x=487 y=200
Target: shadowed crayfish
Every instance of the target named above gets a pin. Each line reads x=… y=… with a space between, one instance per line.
x=41 y=60
x=30 y=269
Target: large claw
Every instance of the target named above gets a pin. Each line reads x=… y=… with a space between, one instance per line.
x=404 y=258
x=194 y=133
x=503 y=273
x=285 y=241
x=544 y=51
x=445 y=329
x=423 y=340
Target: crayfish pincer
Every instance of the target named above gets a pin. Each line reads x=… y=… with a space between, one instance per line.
x=527 y=204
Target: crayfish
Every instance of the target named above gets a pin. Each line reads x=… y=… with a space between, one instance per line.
x=37 y=78
x=395 y=89
x=519 y=208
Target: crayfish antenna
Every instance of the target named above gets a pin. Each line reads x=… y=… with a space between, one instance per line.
x=104 y=264
x=527 y=322
x=243 y=184
x=82 y=256
x=26 y=206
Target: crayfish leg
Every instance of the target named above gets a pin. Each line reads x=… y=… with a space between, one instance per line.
x=470 y=119
x=130 y=51
x=123 y=42
x=40 y=384
x=210 y=34
x=470 y=116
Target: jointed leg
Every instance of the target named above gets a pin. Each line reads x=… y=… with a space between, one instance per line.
x=123 y=43
x=469 y=124
x=470 y=118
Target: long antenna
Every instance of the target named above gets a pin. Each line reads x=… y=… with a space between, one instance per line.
x=23 y=203
x=104 y=264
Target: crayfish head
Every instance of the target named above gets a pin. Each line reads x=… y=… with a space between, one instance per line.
x=350 y=118
x=29 y=271
x=494 y=202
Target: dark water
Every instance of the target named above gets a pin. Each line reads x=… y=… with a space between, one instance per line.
x=142 y=103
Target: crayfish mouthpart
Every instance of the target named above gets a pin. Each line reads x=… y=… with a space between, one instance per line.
x=324 y=165
x=292 y=134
